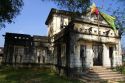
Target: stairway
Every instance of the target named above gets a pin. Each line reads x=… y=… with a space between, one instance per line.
x=99 y=74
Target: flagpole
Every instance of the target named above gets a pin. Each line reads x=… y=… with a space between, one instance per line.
x=98 y=26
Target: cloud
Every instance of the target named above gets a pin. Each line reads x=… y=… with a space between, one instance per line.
x=21 y=31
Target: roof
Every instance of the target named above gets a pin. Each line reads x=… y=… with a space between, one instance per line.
x=64 y=12
x=80 y=20
x=18 y=39
x=109 y=19
x=16 y=34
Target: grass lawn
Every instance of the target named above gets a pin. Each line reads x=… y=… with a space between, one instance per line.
x=32 y=75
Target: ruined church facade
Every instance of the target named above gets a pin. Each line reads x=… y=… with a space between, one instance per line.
x=24 y=49
x=82 y=42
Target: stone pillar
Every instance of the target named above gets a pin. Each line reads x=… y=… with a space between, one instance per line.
x=75 y=63
x=13 y=55
x=72 y=52
x=89 y=55
x=77 y=54
x=119 y=56
x=106 y=59
x=76 y=57
x=114 y=56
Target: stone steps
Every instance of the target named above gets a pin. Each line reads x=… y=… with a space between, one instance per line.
x=104 y=80
x=105 y=76
x=102 y=74
x=100 y=71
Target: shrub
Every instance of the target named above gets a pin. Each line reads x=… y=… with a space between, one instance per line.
x=120 y=69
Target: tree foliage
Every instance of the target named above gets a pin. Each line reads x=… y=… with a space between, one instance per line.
x=9 y=9
x=72 y=5
x=119 y=13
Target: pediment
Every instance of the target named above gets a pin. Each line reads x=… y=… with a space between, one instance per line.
x=92 y=18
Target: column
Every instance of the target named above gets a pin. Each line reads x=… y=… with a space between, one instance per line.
x=106 y=59
x=89 y=55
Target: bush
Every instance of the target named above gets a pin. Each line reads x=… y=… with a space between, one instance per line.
x=120 y=69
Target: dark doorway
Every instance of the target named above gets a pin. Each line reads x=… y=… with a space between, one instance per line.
x=43 y=59
x=39 y=59
x=111 y=55
x=83 y=55
x=97 y=59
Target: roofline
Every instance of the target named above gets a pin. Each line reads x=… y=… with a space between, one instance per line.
x=63 y=12
x=83 y=21
x=39 y=36
x=18 y=34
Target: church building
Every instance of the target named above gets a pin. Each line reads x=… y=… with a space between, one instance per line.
x=81 y=41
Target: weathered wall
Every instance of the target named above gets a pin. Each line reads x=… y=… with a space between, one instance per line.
x=106 y=60
x=95 y=33
x=89 y=53
x=22 y=48
x=83 y=39
x=57 y=23
x=118 y=55
x=85 y=30
x=41 y=55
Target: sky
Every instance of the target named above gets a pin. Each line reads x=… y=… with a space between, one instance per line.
x=31 y=20
x=33 y=16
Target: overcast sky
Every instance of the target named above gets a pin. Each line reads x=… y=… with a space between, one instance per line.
x=33 y=16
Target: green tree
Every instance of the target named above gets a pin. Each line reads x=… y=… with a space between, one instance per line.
x=119 y=13
x=72 y=5
x=9 y=9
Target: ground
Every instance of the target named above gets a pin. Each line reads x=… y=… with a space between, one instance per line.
x=31 y=75
x=36 y=75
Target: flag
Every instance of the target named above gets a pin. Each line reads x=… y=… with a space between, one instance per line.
x=109 y=19
x=94 y=9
